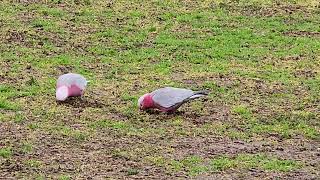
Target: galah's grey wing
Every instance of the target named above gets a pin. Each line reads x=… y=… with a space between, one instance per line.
x=168 y=96
x=71 y=78
x=80 y=81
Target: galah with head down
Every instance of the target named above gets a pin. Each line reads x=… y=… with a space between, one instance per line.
x=168 y=99
x=70 y=84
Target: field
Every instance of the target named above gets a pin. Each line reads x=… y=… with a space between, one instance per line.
x=259 y=58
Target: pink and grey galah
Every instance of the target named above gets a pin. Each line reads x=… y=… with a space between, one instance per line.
x=70 y=84
x=168 y=99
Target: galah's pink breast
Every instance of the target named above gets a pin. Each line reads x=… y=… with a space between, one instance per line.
x=75 y=91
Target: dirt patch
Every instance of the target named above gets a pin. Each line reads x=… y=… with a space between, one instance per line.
x=5 y=69
x=304 y=73
x=302 y=34
x=96 y=158
x=78 y=102
x=29 y=1
x=275 y=10
x=64 y=69
x=292 y=58
x=22 y=38
x=15 y=36
x=258 y=174
x=212 y=113
x=263 y=11
x=7 y=80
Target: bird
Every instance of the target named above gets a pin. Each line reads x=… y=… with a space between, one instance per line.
x=168 y=99
x=70 y=84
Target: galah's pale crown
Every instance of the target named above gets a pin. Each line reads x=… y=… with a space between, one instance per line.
x=62 y=93
x=140 y=100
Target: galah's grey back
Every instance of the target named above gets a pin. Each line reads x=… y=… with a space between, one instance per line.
x=169 y=96
x=72 y=79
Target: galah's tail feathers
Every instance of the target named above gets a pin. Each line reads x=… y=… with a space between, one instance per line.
x=200 y=94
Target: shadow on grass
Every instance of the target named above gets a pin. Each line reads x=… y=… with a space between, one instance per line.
x=78 y=102
x=157 y=112
x=169 y=115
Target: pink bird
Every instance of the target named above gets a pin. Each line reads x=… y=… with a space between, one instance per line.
x=168 y=99
x=70 y=85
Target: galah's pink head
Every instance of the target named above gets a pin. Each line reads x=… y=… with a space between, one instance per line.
x=62 y=93
x=145 y=102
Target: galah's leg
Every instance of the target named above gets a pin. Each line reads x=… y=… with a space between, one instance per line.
x=171 y=111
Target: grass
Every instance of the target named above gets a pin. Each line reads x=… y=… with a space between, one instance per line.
x=5 y=152
x=64 y=177
x=251 y=161
x=195 y=165
x=26 y=147
x=32 y=163
x=259 y=59
x=132 y=172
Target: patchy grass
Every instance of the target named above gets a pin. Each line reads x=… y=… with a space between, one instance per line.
x=32 y=163
x=252 y=161
x=26 y=147
x=195 y=165
x=5 y=152
x=64 y=177
x=132 y=172
x=259 y=59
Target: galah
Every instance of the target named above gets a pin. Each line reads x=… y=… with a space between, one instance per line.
x=70 y=85
x=168 y=99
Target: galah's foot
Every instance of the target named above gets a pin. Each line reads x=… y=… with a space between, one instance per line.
x=152 y=111
x=59 y=102
x=171 y=112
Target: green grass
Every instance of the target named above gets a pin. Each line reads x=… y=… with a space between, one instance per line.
x=195 y=165
x=64 y=177
x=259 y=59
x=4 y=104
x=286 y=129
x=242 y=111
x=5 y=152
x=249 y=161
x=32 y=163
x=192 y=165
x=132 y=172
